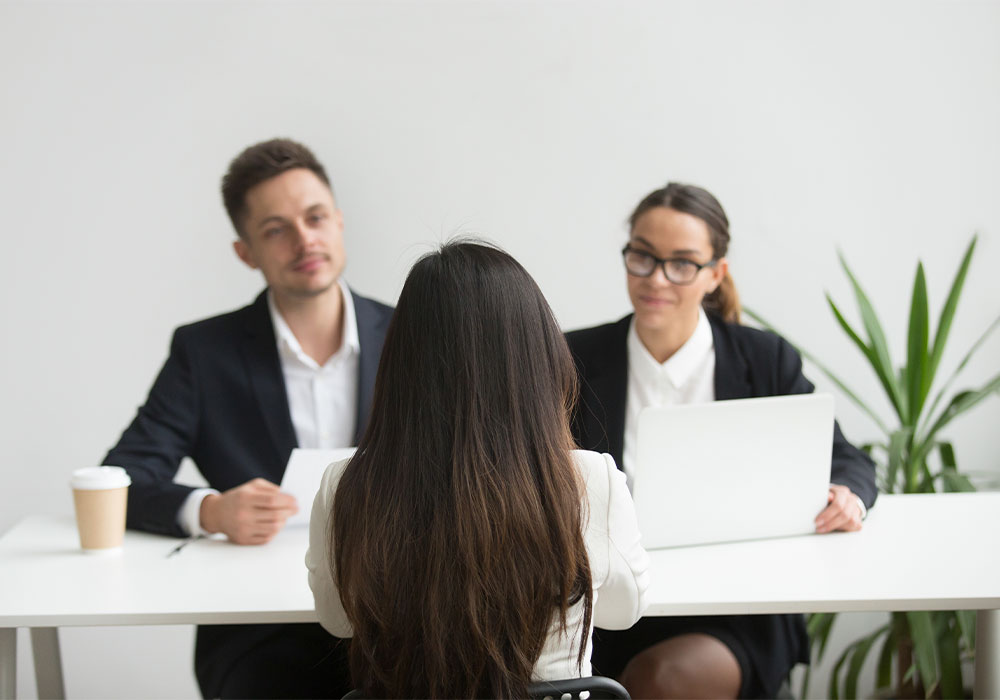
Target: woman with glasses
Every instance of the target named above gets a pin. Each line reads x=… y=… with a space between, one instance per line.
x=684 y=344
x=466 y=548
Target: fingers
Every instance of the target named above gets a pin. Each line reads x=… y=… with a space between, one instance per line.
x=254 y=512
x=837 y=521
x=827 y=515
x=848 y=520
x=256 y=532
x=832 y=515
x=279 y=501
x=260 y=493
x=269 y=517
x=260 y=523
x=842 y=513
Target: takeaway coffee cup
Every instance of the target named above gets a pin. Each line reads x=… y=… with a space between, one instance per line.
x=99 y=497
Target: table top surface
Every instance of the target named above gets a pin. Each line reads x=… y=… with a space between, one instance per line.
x=915 y=552
x=919 y=552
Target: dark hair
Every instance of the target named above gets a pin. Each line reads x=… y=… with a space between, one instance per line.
x=261 y=162
x=456 y=534
x=689 y=199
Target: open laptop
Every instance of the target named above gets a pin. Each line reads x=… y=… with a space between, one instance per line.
x=732 y=470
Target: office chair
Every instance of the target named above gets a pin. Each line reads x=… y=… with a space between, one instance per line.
x=596 y=687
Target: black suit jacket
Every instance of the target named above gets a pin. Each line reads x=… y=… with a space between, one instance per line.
x=748 y=363
x=220 y=399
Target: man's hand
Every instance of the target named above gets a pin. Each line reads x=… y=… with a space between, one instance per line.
x=842 y=513
x=251 y=513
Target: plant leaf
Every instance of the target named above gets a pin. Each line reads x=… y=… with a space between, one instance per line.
x=950 y=658
x=951 y=480
x=872 y=361
x=883 y=674
x=947 y=452
x=960 y=403
x=925 y=653
x=824 y=369
x=858 y=659
x=917 y=359
x=880 y=358
x=961 y=365
x=967 y=623
x=835 y=674
x=948 y=311
x=818 y=627
x=926 y=484
x=851 y=333
x=897 y=445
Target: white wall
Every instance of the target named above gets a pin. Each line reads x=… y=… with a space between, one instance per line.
x=868 y=126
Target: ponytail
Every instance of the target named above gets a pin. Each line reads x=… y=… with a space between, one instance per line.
x=724 y=302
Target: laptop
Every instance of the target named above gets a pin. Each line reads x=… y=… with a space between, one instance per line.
x=734 y=470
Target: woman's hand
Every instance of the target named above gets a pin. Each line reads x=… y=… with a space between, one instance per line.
x=844 y=511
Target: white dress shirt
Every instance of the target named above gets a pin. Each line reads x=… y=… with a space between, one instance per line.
x=687 y=376
x=322 y=399
x=618 y=566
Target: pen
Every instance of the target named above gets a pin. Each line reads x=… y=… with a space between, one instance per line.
x=182 y=545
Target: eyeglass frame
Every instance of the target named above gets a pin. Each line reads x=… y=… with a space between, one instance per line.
x=662 y=264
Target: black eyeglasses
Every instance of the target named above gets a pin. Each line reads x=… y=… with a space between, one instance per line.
x=677 y=270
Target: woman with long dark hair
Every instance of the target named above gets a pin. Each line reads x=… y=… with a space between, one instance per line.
x=684 y=344
x=465 y=547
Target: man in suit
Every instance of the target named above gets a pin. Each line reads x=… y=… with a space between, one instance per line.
x=238 y=392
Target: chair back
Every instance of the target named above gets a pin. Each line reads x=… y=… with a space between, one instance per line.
x=597 y=687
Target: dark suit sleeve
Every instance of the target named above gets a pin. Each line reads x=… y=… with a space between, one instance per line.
x=152 y=447
x=850 y=466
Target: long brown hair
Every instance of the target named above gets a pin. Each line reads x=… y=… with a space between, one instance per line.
x=696 y=201
x=456 y=532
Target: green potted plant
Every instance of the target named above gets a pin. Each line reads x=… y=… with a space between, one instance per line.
x=911 y=456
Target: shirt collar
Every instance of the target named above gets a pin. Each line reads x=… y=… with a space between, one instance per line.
x=680 y=367
x=287 y=341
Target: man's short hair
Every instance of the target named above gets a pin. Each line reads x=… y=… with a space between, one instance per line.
x=261 y=162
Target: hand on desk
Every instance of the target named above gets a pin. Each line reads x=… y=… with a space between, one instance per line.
x=252 y=513
x=842 y=513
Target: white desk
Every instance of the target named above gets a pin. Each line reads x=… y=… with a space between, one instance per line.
x=916 y=553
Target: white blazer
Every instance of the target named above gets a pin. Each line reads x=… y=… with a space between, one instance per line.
x=618 y=565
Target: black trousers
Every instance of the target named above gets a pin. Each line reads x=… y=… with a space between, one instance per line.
x=271 y=661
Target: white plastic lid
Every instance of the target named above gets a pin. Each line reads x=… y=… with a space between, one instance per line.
x=97 y=478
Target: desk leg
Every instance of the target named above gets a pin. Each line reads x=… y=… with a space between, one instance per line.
x=48 y=662
x=987 y=683
x=8 y=662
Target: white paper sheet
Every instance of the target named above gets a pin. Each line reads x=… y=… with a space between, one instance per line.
x=303 y=474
